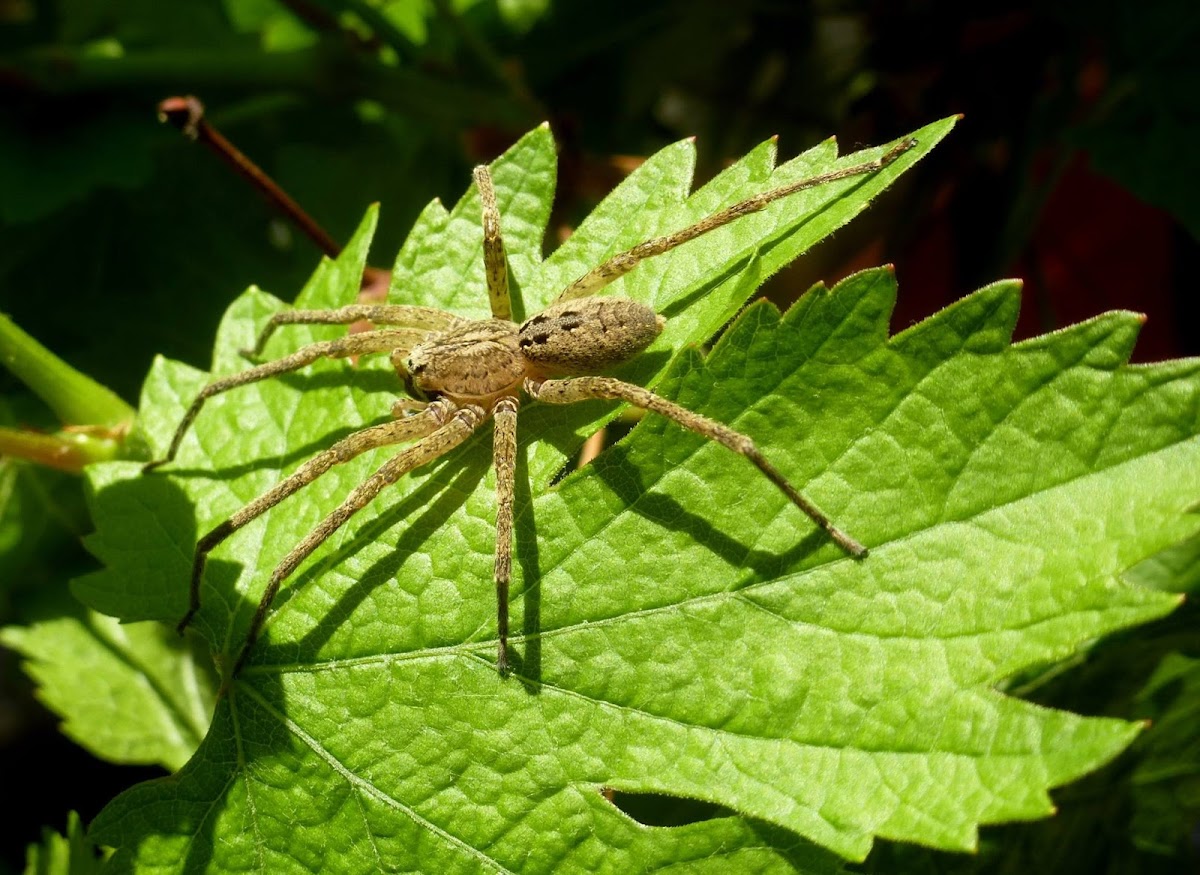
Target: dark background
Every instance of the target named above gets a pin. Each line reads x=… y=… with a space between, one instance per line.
x=1075 y=168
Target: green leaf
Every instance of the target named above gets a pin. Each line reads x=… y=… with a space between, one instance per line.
x=681 y=629
x=1175 y=569
x=71 y=854
x=29 y=519
x=133 y=693
x=1166 y=781
x=521 y=15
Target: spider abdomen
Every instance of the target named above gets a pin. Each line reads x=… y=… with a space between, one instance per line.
x=587 y=336
x=473 y=363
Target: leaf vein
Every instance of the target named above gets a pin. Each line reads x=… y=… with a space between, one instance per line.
x=358 y=783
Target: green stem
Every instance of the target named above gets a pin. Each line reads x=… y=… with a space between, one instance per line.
x=64 y=451
x=75 y=398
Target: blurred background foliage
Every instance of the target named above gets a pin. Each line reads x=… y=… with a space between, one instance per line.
x=1076 y=169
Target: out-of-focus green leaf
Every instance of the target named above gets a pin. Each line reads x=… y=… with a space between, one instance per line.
x=522 y=14
x=129 y=693
x=72 y=854
x=1166 y=780
x=278 y=27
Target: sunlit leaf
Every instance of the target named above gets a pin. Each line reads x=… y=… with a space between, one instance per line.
x=680 y=629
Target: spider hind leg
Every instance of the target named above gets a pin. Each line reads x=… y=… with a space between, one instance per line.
x=584 y=388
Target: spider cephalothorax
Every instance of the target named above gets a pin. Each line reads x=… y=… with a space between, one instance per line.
x=463 y=372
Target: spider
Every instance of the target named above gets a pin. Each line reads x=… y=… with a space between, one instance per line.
x=461 y=372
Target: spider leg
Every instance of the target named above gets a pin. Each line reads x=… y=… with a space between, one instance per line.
x=426 y=318
x=417 y=425
x=621 y=264
x=354 y=344
x=583 y=388
x=494 y=264
x=461 y=425
x=504 y=457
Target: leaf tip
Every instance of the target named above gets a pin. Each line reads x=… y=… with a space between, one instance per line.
x=761 y=307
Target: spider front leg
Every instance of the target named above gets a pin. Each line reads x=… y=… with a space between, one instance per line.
x=583 y=388
x=413 y=426
x=495 y=264
x=445 y=438
x=355 y=344
x=425 y=319
x=621 y=264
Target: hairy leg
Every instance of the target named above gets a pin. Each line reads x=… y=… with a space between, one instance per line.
x=619 y=265
x=583 y=388
x=425 y=319
x=461 y=425
x=504 y=455
x=494 y=263
x=417 y=425
x=355 y=344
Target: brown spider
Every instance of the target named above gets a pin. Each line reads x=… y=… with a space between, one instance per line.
x=464 y=371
